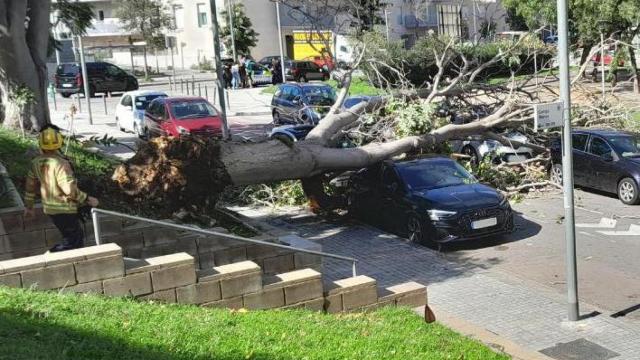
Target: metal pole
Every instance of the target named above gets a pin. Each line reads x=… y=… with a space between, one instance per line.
x=187 y=87
x=173 y=66
x=85 y=80
x=193 y=86
x=353 y=269
x=55 y=103
x=231 y=29
x=181 y=86
x=604 y=96
x=104 y=101
x=216 y=49
x=567 y=163
x=79 y=102
x=284 y=75
x=133 y=67
x=386 y=22
x=228 y=101
x=199 y=90
x=96 y=226
x=535 y=67
x=206 y=93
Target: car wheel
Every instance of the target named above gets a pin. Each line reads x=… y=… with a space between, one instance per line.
x=276 y=118
x=628 y=191
x=415 y=230
x=119 y=125
x=66 y=96
x=556 y=174
x=92 y=91
x=472 y=154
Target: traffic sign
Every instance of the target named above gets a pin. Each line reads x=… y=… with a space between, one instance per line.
x=547 y=116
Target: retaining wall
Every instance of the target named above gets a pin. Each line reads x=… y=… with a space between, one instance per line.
x=175 y=278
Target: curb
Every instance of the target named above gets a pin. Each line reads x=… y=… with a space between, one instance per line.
x=491 y=339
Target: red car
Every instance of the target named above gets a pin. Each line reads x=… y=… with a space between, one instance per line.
x=175 y=116
x=608 y=58
x=323 y=62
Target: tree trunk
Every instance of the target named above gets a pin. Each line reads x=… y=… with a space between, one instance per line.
x=23 y=59
x=634 y=69
x=584 y=57
x=146 y=68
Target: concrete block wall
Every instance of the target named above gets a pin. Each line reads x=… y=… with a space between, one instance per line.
x=175 y=278
x=20 y=237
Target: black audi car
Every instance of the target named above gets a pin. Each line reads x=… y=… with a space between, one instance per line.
x=429 y=200
x=605 y=160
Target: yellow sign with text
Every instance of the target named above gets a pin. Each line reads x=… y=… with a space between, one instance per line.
x=308 y=44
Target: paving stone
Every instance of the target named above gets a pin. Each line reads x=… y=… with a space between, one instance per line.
x=199 y=293
x=290 y=278
x=168 y=296
x=359 y=296
x=268 y=299
x=99 y=268
x=227 y=271
x=23 y=263
x=130 y=285
x=12 y=280
x=173 y=277
x=53 y=277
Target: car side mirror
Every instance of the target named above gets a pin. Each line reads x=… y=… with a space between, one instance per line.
x=608 y=157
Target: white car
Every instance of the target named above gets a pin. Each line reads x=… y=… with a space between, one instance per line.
x=130 y=109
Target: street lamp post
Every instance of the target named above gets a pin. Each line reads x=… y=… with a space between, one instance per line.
x=567 y=163
x=219 y=83
x=284 y=75
x=231 y=29
x=85 y=79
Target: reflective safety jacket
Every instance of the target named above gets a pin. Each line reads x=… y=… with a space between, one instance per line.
x=58 y=187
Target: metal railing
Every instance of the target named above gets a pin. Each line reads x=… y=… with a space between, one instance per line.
x=95 y=213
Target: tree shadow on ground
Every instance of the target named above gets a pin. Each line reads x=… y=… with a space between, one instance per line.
x=31 y=336
x=388 y=258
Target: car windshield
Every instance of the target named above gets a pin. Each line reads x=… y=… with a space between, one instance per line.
x=320 y=95
x=627 y=146
x=67 y=70
x=142 y=102
x=192 y=109
x=435 y=174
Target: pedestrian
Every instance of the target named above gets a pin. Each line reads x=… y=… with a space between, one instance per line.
x=235 y=75
x=59 y=192
x=242 y=71
x=250 y=64
x=276 y=73
x=227 y=77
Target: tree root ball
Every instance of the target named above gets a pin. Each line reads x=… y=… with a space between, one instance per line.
x=171 y=174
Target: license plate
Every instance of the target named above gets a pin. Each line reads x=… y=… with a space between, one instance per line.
x=67 y=85
x=484 y=223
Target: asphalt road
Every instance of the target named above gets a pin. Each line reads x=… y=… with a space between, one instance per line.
x=607 y=251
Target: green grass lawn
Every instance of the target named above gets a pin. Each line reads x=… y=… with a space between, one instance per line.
x=359 y=86
x=40 y=325
x=16 y=153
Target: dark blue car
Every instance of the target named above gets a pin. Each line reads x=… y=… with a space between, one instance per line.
x=301 y=103
x=604 y=160
x=429 y=200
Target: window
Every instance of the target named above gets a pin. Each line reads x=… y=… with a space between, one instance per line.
x=192 y=110
x=100 y=15
x=178 y=17
x=579 y=141
x=295 y=93
x=202 y=15
x=143 y=101
x=599 y=147
x=126 y=101
x=113 y=71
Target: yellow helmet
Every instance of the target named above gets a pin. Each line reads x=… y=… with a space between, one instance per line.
x=50 y=139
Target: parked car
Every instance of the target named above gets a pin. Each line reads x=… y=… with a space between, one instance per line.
x=478 y=148
x=609 y=55
x=103 y=78
x=291 y=133
x=429 y=200
x=325 y=63
x=175 y=116
x=303 y=71
x=301 y=103
x=268 y=60
x=131 y=107
x=604 y=160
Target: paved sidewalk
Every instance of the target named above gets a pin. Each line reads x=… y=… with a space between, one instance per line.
x=524 y=313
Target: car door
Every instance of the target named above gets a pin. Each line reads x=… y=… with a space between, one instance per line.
x=124 y=112
x=167 y=126
x=153 y=118
x=283 y=102
x=392 y=194
x=602 y=165
x=314 y=72
x=97 y=77
x=295 y=104
x=115 y=78
x=580 y=159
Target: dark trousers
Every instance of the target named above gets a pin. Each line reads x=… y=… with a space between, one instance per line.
x=71 y=230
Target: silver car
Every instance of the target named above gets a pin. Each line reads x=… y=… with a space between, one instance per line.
x=478 y=148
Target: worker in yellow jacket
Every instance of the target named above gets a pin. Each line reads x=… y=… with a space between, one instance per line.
x=59 y=191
